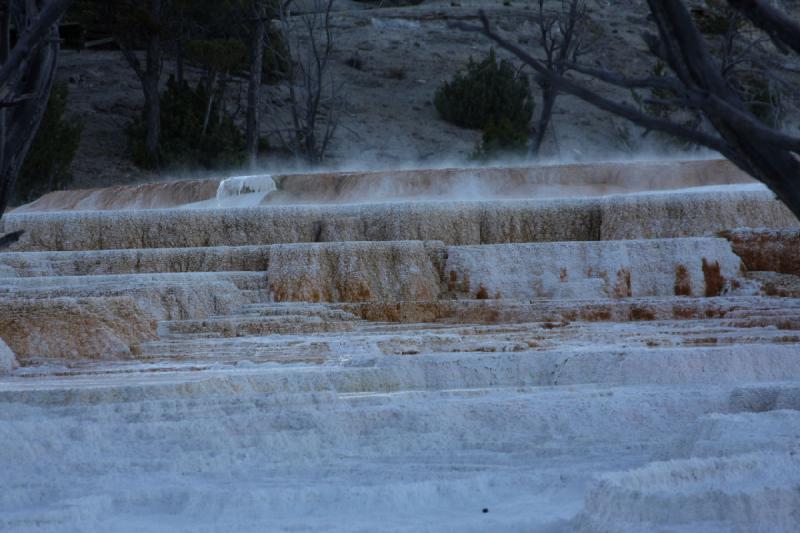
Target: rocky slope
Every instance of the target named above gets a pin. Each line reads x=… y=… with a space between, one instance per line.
x=388 y=119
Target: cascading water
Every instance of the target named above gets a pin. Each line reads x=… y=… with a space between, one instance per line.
x=244 y=191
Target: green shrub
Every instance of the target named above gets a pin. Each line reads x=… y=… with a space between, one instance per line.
x=182 y=143
x=500 y=138
x=47 y=165
x=489 y=91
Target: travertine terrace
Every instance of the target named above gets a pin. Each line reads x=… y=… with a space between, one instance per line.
x=611 y=347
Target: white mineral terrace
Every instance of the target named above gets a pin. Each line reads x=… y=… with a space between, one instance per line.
x=529 y=349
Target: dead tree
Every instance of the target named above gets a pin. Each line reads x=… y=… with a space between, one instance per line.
x=149 y=74
x=314 y=96
x=560 y=38
x=136 y=25
x=26 y=77
x=253 y=130
x=696 y=83
x=784 y=31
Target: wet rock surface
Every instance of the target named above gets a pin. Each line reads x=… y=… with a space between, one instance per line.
x=573 y=364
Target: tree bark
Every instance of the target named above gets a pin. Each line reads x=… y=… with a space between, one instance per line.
x=34 y=58
x=767 y=154
x=152 y=96
x=549 y=96
x=210 y=89
x=254 y=83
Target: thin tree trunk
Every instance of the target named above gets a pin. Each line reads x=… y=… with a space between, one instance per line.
x=222 y=87
x=51 y=179
x=151 y=80
x=23 y=119
x=209 y=106
x=549 y=96
x=152 y=104
x=767 y=154
x=5 y=47
x=254 y=84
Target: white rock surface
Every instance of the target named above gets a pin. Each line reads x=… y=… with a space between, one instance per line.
x=311 y=368
x=650 y=215
x=355 y=271
x=584 y=270
x=8 y=361
x=752 y=492
x=551 y=180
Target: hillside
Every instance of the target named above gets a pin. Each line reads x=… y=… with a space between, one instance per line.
x=388 y=119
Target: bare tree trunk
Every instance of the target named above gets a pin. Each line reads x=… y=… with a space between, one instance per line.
x=150 y=77
x=211 y=81
x=548 y=103
x=152 y=105
x=314 y=98
x=254 y=83
x=768 y=154
x=26 y=78
x=561 y=38
x=152 y=97
x=5 y=48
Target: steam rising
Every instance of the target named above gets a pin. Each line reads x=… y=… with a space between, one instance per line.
x=455 y=183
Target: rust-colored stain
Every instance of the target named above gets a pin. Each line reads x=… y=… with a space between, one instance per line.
x=482 y=293
x=597 y=315
x=304 y=290
x=679 y=311
x=622 y=287
x=453 y=281
x=767 y=250
x=563 y=275
x=713 y=278
x=683 y=281
x=570 y=316
x=642 y=313
x=702 y=341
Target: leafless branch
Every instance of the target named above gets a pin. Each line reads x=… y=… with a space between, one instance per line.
x=703 y=85
x=26 y=77
x=778 y=25
x=313 y=93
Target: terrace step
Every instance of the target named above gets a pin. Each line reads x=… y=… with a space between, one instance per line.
x=620 y=217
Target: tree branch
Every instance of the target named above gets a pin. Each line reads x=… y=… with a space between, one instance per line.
x=771 y=20
x=571 y=87
x=33 y=35
x=653 y=82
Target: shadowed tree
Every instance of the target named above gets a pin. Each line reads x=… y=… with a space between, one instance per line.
x=696 y=82
x=314 y=95
x=227 y=39
x=26 y=76
x=561 y=39
x=257 y=38
x=136 y=24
